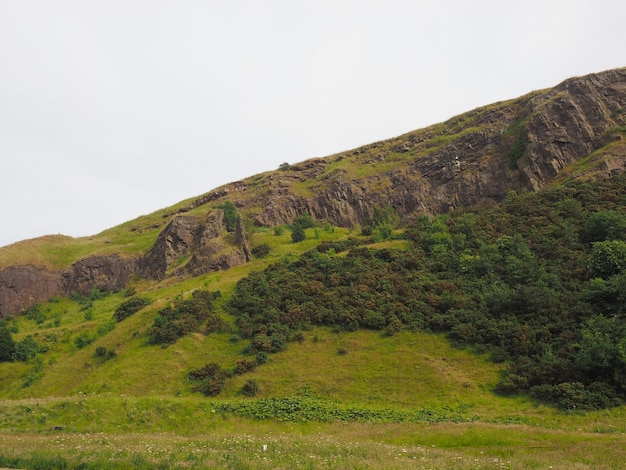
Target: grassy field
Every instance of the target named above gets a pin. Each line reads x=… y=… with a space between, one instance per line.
x=333 y=400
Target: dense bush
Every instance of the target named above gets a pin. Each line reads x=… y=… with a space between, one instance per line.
x=7 y=345
x=230 y=216
x=538 y=281
x=35 y=313
x=250 y=388
x=130 y=307
x=84 y=338
x=261 y=251
x=297 y=233
x=208 y=379
x=183 y=317
x=25 y=349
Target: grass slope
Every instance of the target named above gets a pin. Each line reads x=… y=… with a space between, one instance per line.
x=334 y=400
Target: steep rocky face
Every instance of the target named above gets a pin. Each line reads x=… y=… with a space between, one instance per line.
x=23 y=286
x=572 y=121
x=198 y=246
x=103 y=272
x=471 y=159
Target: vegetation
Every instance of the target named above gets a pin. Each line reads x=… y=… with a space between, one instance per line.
x=183 y=317
x=517 y=281
x=130 y=307
x=230 y=216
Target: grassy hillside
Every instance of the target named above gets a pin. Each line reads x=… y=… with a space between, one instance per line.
x=99 y=393
x=487 y=338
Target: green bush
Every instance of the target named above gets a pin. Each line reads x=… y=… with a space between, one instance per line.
x=130 y=307
x=250 y=388
x=209 y=379
x=84 y=338
x=509 y=279
x=7 y=345
x=305 y=220
x=183 y=317
x=297 y=233
x=25 y=349
x=36 y=314
x=244 y=366
x=261 y=251
x=230 y=216
x=105 y=353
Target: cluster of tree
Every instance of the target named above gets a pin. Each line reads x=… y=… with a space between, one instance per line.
x=185 y=316
x=539 y=281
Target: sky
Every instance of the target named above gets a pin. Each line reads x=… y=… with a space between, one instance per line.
x=111 y=109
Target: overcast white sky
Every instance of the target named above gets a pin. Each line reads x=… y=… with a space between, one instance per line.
x=112 y=109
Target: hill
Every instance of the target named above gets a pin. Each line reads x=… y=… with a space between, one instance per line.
x=421 y=299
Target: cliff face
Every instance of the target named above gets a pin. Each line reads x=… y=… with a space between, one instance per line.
x=23 y=286
x=574 y=130
x=473 y=158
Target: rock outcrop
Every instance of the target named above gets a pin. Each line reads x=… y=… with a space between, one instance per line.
x=473 y=158
x=23 y=286
x=108 y=273
x=191 y=246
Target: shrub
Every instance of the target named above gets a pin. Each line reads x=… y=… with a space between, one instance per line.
x=230 y=216
x=130 y=307
x=208 y=379
x=35 y=314
x=107 y=326
x=25 y=349
x=250 y=388
x=105 y=353
x=183 y=317
x=305 y=220
x=7 y=345
x=84 y=338
x=261 y=358
x=216 y=323
x=244 y=366
x=297 y=233
x=261 y=251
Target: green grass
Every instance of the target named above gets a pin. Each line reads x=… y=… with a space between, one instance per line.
x=357 y=400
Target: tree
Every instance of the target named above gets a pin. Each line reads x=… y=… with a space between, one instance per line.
x=604 y=225
x=297 y=233
x=230 y=216
x=7 y=345
x=607 y=258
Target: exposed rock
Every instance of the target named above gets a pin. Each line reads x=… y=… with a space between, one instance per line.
x=242 y=242
x=201 y=243
x=107 y=273
x=477 y=158
x=175 y=241
x=23 y=286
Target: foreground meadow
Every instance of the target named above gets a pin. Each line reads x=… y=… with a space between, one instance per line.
x=231 y=442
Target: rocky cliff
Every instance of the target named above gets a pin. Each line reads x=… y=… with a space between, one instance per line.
x=574 y=130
